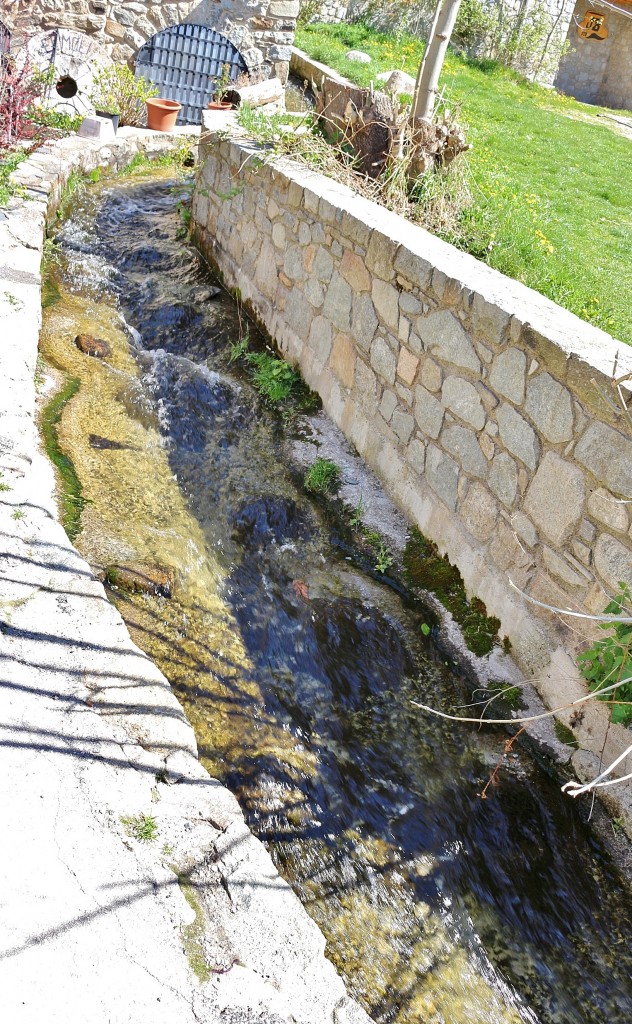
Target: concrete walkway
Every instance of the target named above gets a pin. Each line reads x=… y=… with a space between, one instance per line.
x=96 y=925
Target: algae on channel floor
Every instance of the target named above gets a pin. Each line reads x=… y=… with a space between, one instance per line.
x=72 y=501
x=135 y=512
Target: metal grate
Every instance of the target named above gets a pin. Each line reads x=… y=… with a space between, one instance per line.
x=5 y=39
x=184 y=62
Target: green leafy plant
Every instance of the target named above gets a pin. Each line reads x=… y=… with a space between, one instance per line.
x=117 y=90
x=384 y=558
x=142 y=827
x=355 y=522
x=322 y=477
x=51 y=254
x=238 y=349
x=183 y=209
x=18 y=514
x=222 y=83
x=273 y=378
x=58 y=119
x=609 y=661
x=13 y=300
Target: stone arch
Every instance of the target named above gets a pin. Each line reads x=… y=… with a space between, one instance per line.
x=185 y=61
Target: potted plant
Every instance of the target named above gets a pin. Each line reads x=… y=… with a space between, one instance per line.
x=113 y=115
x=220 y=86
x=117 y=92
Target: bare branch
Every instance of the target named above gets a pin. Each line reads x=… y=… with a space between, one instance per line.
x=530 y=718
x=567 y=611
x=577 y=788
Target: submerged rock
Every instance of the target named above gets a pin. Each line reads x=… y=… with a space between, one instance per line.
x=97 y=347
x=269 y=519
x=141 y=579
x=106 y=444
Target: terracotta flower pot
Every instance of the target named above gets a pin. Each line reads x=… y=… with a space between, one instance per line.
x=220 y=105
x=162 y=114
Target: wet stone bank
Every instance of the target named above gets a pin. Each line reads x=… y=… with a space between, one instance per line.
x=297 y=663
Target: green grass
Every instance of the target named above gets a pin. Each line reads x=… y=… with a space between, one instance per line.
x=551 y=186
x=142 y=827
x=322 y=477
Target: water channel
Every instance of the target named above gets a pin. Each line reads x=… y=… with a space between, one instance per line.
x=297 y=668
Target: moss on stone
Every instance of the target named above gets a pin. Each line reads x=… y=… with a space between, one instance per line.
x=425 y=568
x=71 y=499
x=193 y=934
x=564 y=734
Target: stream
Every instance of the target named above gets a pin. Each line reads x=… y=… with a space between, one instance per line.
x=297 y=667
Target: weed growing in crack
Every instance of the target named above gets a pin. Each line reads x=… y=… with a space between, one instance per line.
x=322 y=477
x=142 y=827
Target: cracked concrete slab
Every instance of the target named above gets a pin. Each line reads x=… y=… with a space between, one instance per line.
x=195 y=925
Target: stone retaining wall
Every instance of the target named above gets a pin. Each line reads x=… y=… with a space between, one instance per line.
x=91 y=731
x=474 y=399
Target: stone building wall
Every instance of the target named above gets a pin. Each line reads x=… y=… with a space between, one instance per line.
x=333 y=11
x=262 y=29
x=599 y=70
x=473 y=398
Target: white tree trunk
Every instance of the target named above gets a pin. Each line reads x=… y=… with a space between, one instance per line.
x=430 y=69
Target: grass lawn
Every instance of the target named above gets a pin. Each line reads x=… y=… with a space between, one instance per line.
x=551 y=186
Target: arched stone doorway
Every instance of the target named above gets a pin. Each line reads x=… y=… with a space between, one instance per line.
x=184 y=61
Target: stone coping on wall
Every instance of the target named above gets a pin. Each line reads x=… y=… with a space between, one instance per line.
x=476 y=401
x=310 y=70
x=92 y=733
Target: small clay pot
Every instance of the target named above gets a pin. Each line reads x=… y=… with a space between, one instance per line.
x=219 y=105
x=162 y=114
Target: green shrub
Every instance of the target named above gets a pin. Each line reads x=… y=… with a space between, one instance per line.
x=273 y=378
x=117 y=90
x=58 y=119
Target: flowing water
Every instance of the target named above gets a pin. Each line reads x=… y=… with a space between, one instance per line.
x=297 y=669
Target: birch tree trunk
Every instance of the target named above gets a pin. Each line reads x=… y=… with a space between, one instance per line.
x=430 y=69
